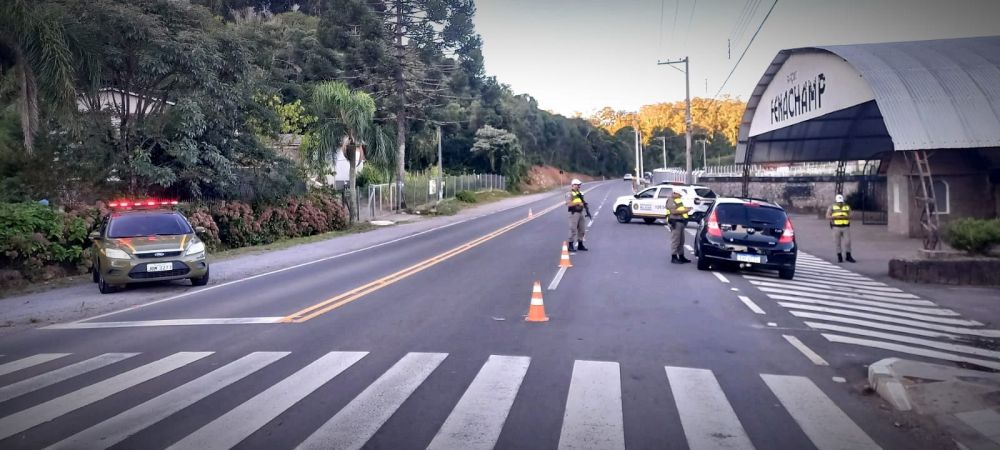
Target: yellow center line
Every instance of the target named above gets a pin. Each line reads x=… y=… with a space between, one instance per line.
x=340 y=300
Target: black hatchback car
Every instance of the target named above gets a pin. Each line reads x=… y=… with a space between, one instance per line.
x=748 y=232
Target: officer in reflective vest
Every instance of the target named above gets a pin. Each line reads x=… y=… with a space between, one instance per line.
x=577 y=207
x=839 y=215
x=677 y=218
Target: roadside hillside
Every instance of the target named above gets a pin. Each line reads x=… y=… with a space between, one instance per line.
x=543 y=178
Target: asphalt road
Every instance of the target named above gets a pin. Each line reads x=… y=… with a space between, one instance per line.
x=422 y=342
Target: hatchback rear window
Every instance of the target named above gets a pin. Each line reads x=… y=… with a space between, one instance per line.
x=152 y=224
x=704 y=192
x=750 y=216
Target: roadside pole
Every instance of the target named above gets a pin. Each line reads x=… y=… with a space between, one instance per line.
x=440 y=186
x=687 y=115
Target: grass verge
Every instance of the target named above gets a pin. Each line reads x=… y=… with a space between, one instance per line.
x=452 y=206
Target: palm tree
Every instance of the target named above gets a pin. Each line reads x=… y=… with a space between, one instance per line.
x=346 y=120
x=34 y=55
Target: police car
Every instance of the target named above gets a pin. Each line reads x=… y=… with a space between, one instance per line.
x=648 y=204
x=697 y=198
x=651 y=203
x=147 y=240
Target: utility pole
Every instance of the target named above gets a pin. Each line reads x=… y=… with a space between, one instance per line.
x=687 y=117
x=642 y=156
x=704 y=154
x=440 y=166
x=635 y=182
x=663 y=139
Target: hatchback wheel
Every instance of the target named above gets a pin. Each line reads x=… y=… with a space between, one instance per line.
x=787 y=274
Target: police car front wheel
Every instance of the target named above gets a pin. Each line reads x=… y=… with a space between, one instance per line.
x=623 y=214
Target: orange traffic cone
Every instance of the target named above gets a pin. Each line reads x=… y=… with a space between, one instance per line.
x=536 y=312
x=564 y=258
x=530 y=214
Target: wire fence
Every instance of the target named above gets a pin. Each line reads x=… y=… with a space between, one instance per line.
x=761 y=170
x=421 y=191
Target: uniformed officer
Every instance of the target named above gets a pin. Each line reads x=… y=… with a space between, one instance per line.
x=677 y=219
x=839 y=215
x=577 y=207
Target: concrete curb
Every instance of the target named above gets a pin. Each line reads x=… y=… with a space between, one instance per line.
x=965 y=402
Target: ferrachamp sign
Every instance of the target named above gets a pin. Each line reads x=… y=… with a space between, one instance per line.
x=807 y=86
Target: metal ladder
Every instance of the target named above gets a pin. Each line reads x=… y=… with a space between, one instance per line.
x=928 y=218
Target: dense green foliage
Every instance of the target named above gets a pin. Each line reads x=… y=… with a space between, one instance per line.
x=975 y=236
x=466 y=196
x=34 y=238
x=32 y=235
x=188 y=98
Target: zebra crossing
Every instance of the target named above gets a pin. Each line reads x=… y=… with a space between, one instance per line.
x=853 y=309
x=593 y=415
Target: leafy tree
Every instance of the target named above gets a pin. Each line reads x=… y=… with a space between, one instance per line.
x=36 y=58
x=406 y=52
x=346 y=124
x=502 y=145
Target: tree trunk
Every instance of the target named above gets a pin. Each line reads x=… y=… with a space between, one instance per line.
x=400 y=85
x=27 y=104
x=352 y=181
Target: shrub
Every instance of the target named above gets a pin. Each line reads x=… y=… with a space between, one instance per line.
x=33 y=236
x=466 y=196
x=237 y=224
x=975 y=236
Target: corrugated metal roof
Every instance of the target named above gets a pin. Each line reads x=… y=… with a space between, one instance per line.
x=931 y=94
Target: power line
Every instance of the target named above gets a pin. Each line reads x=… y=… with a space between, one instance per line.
x=746 y=25
x=740 y=18
x=690 y=21
x=659 y=51
x=752 y=38
x=673 y=29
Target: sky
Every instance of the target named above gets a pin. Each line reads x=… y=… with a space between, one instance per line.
x=577 y=56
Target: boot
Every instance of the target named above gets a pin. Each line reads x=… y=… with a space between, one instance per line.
x=570 y=246
x=675 y=260
x=850 y=258
x=683 y=259
x=580 y=247
x=840 y=258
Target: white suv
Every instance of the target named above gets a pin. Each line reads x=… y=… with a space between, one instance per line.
x=651 y=203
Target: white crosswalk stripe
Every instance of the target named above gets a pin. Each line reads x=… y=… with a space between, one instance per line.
x=120 y=427
x=826 y=425
x=835 y=299
x=30 y=361
x=49 y=378
x=240 y=422
x=709 y=421
x=593 y=415
x=477 y=419
x=39 y=414
x=362 y=417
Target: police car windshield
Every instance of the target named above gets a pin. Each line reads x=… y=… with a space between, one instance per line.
x=739 y=214
x=148 y=224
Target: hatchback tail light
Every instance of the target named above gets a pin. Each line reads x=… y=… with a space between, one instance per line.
x=713 y=225
x=788 y=235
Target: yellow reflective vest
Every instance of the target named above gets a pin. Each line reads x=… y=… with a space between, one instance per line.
x=676 y=210
x=841 y=215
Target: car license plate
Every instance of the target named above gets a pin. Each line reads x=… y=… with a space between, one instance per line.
x=159 y=267
x=742 y=257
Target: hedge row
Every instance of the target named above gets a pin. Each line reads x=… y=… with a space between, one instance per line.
x=38 y=243
x=975 y=236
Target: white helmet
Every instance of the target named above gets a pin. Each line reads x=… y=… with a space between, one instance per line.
x=839 y=198
x=575 y=181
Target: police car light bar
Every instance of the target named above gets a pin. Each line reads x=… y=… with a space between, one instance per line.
x=140 y=203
